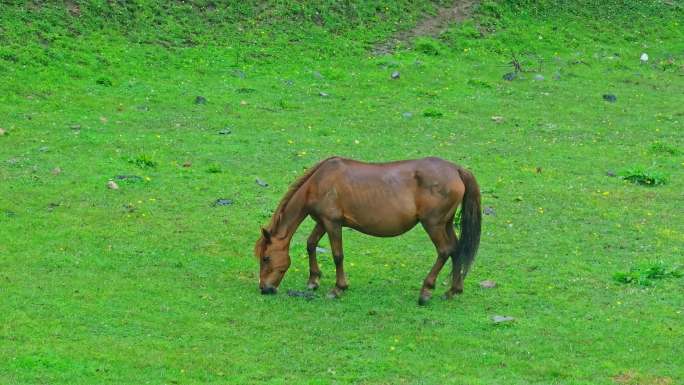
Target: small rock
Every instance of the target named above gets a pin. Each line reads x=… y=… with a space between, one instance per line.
x=611 y=173
x=497 y=119
x=510 y=76
x=309 y=295
x=644 y=58
x=487 y=284
x=323 y=94
x=395 y=75
x=56 y=171
x=200 y=100
x=539 y=77
x=321 y=250
x=44 y=149
x=187 y=164
x=502 y=319
x=112 y=185
x=610 y=98
x=243 y=102
x=317 y=75
x=245 y=90
x=52 y=206
x=407 y=115
x=225 y=131
x=2 y=131
x=132 y=178
x=75 y=127
x=222 y=202
x=261 y=182
x=488 y=210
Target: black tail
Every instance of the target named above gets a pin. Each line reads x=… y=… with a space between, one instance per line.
x=471 y=224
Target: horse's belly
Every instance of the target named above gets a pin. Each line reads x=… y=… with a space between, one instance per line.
x=381 y=220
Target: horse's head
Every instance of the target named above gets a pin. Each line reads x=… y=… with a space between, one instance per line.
x=274 y=260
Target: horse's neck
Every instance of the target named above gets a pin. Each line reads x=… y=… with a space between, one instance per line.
x=292 y=215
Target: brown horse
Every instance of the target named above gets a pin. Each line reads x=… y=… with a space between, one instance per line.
x=379 y=199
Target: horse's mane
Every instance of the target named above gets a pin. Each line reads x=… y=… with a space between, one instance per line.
x=278 y=214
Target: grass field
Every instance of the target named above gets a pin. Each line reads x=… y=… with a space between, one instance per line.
x=153 y=283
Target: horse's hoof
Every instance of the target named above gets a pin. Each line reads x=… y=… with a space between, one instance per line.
x=336 y=292
x=312 y=286
x=422 y=301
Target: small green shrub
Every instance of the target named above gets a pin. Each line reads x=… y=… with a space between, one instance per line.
x=644 y=275
x=479 y=83
x=640 y=175
x=660 y=148
x=143 y=161
x=102 y=81
x=432 y=113
x=427 y=93
x=214 y=169
x=427 y=46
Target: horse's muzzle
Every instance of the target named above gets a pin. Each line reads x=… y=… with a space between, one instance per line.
x=268 y=290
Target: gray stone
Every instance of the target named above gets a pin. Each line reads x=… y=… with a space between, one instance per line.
x=502 y=319
x=222 y=202
x=510 y=76
x=610 y=98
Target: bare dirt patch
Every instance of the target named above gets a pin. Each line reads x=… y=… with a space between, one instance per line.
x=633 y=378
x=429 y=26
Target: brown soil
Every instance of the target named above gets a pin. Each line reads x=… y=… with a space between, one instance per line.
x=430 y=26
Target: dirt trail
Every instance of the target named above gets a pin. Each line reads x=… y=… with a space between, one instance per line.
x=430 y=26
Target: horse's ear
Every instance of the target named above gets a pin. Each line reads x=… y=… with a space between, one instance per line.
x=266 y=234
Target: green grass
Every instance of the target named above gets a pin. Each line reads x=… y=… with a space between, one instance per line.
x=155 y=283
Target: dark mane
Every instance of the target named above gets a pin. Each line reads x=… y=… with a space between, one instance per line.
x=277 y=215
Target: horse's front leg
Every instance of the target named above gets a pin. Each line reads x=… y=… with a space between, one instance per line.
x=334 y=231
x=311 y=244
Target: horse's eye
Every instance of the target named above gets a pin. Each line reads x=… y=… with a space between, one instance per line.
x=266 y=259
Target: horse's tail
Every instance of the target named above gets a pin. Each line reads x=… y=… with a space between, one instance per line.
x=471 y=224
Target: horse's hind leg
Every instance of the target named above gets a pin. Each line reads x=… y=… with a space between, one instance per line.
x=311 y=244
x=444 y=246
x=457 y=276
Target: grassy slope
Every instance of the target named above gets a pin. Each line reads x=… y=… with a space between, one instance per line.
x=151 y=284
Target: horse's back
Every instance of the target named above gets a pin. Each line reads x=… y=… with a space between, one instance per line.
x=384 y=199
